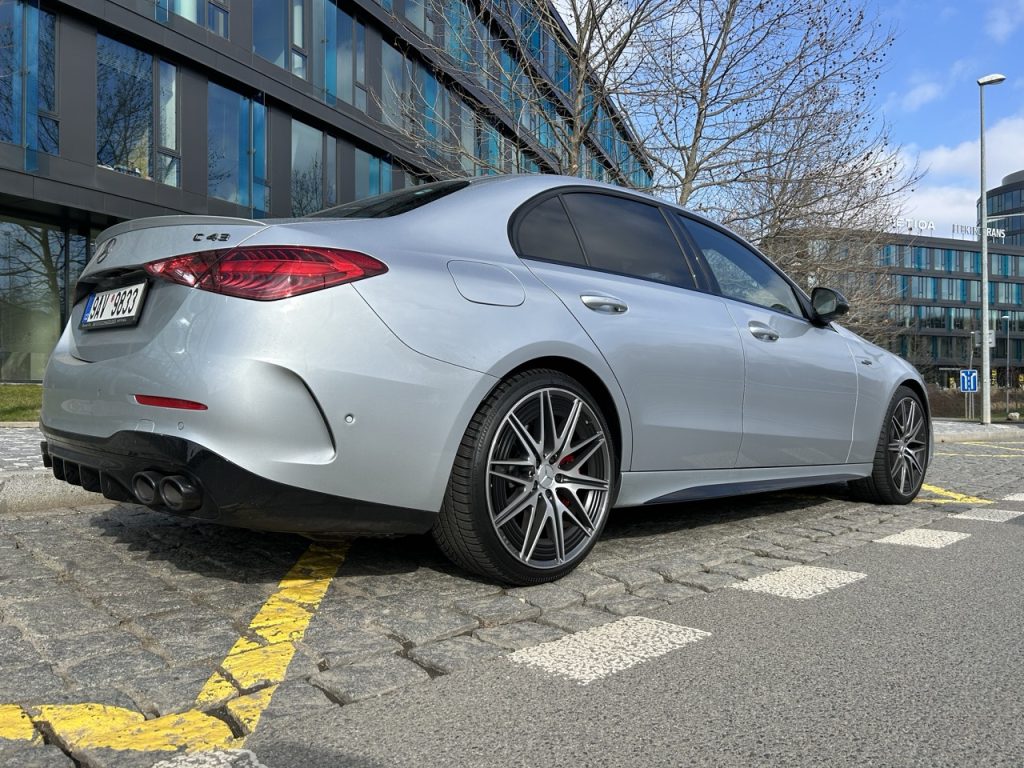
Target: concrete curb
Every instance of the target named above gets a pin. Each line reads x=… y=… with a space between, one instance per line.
x=37 y=490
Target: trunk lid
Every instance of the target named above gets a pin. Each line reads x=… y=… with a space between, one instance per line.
x=117 y=263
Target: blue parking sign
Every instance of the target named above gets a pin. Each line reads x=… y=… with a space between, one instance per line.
x=969 y=380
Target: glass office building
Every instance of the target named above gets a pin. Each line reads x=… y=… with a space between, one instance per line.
x=118 y=109
x=937 y=288
x=1006 y=208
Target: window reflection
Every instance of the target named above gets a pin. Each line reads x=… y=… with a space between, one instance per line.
x=32 y=282
x=307 y=169
x=124 y=107
x=28 y=91
x=237 y=149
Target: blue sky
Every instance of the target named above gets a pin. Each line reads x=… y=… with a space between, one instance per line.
x=929 y=98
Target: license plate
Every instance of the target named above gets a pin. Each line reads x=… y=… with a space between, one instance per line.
x=120 y=306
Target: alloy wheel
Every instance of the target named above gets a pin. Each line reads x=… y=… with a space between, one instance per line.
x=908 y=446
x=549 y=473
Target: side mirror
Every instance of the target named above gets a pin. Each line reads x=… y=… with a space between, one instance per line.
x=828 y=304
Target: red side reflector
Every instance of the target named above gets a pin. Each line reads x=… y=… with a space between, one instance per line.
x=169 y=402
x=266 y=272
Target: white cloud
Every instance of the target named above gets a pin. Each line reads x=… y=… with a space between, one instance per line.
x=1004 y=154
x=1002 y=20
x=949 y=191
x=920 y=95
x=943 y=205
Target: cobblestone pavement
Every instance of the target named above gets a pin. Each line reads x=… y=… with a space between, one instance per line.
x=145 y=617
x=19 y=449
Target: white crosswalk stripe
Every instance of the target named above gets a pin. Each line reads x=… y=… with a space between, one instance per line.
x=800 y=582
x=596 y=653
x=988 y=515
x=923 y=537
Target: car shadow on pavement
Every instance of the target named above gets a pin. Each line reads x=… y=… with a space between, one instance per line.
x=206 y=551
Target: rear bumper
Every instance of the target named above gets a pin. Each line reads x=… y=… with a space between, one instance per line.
x=230 y=495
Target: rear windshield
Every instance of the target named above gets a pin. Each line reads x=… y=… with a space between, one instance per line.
x=392 y=203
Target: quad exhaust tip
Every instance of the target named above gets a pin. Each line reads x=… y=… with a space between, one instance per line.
x=174 y=492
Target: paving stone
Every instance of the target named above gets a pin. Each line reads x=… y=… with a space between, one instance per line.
x=708 y=582
x=33 y=756
x=35 y=683
x=801 y=555
x=633 y=576
x=741 y=570
x=113 y=669
x=499 y=609
x=547 y=597
x=68 y=615
x=673 y=567
x=768 y=563
x=167 y=691
x=514 y=637
x=427 y=626
x=577 y=618
x=827 y=526
x=785 y=540
x=67 y=651
x=296 y=697
x=457 y=653
x=670 y=593
x=828 y=547
x=190 y=636
x=148 y=604
x=719 y=555
x=759 y=548
x=807 y=532
x=591 y=584
x=633 y=605
x=331 y=645
x=14 y=649
x=369 y=679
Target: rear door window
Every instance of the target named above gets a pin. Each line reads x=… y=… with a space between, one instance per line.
x=628 y=237
x=544 y=232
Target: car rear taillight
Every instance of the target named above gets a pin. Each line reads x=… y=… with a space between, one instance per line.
x=266 y=273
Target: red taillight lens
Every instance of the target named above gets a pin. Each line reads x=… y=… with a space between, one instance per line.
x=266 y=273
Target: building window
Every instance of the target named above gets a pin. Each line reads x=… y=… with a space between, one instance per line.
x=237 y=149
x=28 y=89
x=124 y=108
x=41 y=262
x=307 y=169
x=349 y=60
x=373 y=174
x=212 y=14
x=168 y=159
x=279 y=34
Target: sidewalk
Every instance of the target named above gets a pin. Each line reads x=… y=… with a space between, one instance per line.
x=25 y=485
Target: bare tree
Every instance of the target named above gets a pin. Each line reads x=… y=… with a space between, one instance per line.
x=759 y=113
x=548 y=80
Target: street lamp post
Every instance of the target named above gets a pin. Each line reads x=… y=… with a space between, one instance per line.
x=1007 y=319
x=986 y=359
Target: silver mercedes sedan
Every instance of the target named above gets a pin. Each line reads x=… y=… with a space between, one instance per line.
x=498 y=361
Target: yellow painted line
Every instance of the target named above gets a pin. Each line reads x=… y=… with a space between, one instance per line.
x=16 y=725
x=953 y=496
x=995 y=446
x=244 y=684
x=981 y=455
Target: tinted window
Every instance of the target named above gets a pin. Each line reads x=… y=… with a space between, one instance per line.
x=545 y=233
x=741 y=273
x=628 y=237
x=392 y=203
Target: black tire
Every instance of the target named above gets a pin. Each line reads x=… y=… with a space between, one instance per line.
x=901 y=456
x=526 y=507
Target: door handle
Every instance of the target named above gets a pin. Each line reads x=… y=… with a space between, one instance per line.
x=762 y=332
x=605 y=304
